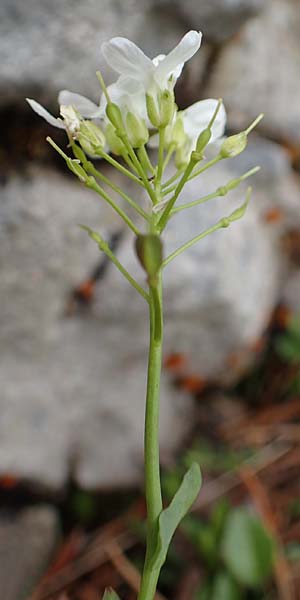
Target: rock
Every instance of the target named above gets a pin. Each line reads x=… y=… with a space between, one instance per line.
x=259 y=72
x=72 y=388
x=276 y=185
x=217 y=19
x=47 y=47
x=27 y=541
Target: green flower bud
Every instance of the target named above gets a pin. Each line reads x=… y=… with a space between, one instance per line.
x=137 y=131
x=181 y=157
x=203 y=140
x=166 y=107
x=152 y=110
x=76 y=168
x=91 y=137
x=114 y=114
x=178 y=133
x=149 y=251
x=116 y=145
x=234 y=145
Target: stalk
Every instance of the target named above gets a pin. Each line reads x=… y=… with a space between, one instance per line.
x=151 y=449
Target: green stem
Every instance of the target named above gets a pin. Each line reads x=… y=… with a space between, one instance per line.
x=193 y=241
x=164 y=218
x=92 y=184
x=91 y=169
x=119 y=167
x=136 y=163
x=145 y=160
x=152 y=471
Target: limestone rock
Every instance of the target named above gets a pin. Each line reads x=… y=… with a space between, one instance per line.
x=259 y=71
x=46 y=46
x=218 y=19
x=27 y=541
x=73 y=388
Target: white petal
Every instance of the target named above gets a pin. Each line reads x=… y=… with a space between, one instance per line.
x=85 y=107
x=127 y=59
x=128 y=94
x=186 y=48
x=42 y=112
x=197 y=117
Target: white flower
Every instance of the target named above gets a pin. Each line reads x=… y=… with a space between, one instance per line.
x=72 y=107
x=128 y=94
x=128 y=60
x=197 y=117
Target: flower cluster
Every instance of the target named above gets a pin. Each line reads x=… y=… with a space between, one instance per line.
x=139 y=111
x=144 y=93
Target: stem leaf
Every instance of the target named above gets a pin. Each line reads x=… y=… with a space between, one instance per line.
x=170 y=518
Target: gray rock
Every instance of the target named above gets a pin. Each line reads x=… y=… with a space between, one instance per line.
x=259 y=71
x=27 y=541
x=47 y=47
x=73 y=388
x=218 y=19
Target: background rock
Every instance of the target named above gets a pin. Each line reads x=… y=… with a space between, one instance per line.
x=73 y=388
x=259 y=71
x=47 y=47
x=218 y=19
x=27 y=540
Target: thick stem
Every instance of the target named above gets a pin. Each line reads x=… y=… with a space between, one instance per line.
x=152 y=470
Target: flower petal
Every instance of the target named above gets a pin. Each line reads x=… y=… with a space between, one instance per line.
x=197 y=116
x=186 y=48
x=42 y=112
x=85 y=107
x=127 y=59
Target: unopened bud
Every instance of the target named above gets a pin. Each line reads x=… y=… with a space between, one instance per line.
x=203 y=140
x=114 y=114
x=234 y=145
x=137 y=131
x=149 y=251
x=152 y=110
x=178 y=133
x=115 y=144
x=91 y=138
x=77 y=169
x=166 y=107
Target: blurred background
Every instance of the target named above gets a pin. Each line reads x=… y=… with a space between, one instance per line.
x=73 y=336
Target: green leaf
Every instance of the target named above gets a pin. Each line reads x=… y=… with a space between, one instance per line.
x=225 y=588
x=247 y=549
x=170 y=518
x=109 y=594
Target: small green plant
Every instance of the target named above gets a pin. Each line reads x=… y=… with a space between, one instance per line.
x=287 y=347
x=236 y=549
x=137 y=110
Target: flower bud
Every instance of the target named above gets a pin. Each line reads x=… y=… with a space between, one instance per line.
x=115 y=144
x=76 y=168
x=137 y=131
x=152 y=110
x=166 y=107
x=149 y=251
x=203 y=140
x=91 y=138
x=178 y=133
x=234 y=145
x=114 y=114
